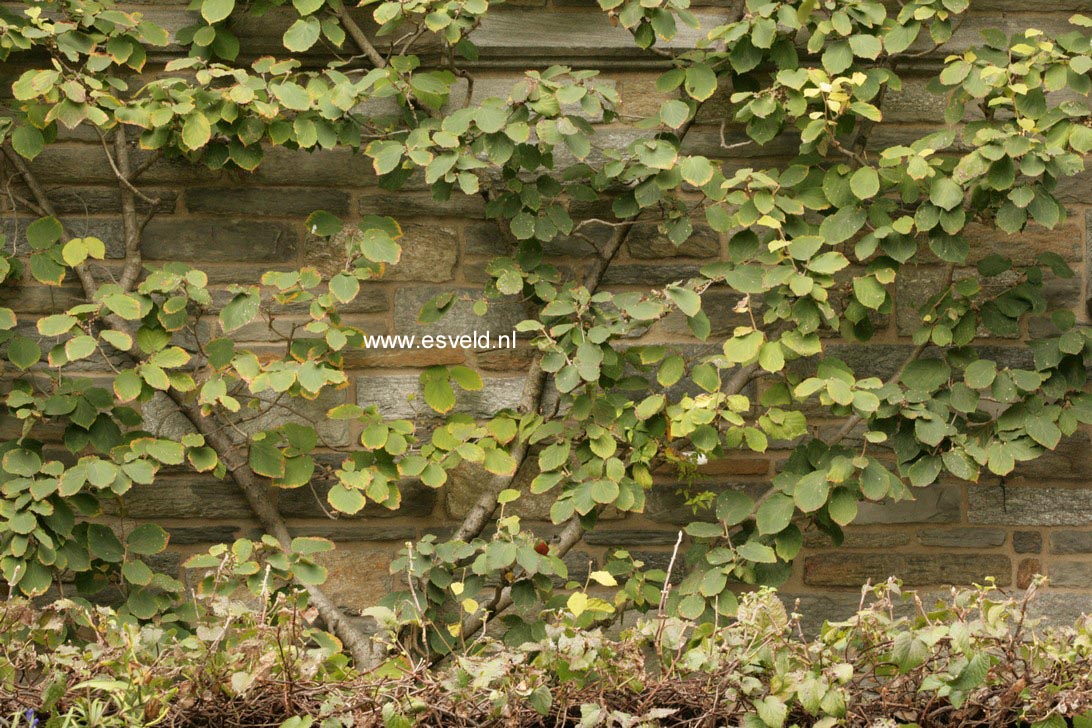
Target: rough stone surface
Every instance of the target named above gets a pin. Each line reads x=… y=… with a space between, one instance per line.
x=208 y=240
x=391 y=393
x=501 y=317
x=1027 y=542
x=1071 y=542
x=1071 y=574
x=291 y=202
x=188 y=536
x=1029 y=506
x=667 y=504
x=645 y=241
x=188 y=497
x=429 y=252
x=968 y=538
x=855 y=538
x=418 y=501
x=833 y=569
x=1026 y=571
x=466 y=482
x=935 y=504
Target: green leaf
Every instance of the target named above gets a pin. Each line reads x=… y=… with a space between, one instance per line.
x=56 y=324
x=945 y=194
x=757 y=552
x=147 y=539
x=842 y=507
x=213 y=11
x=196 y=131
x=44 y=232
x=671 y=370
x=22 y=462
x=742 y=349
x=103 y=543
x=128 y=385
x=499 y=462
x=1043 y=431
x=674 y=113
x=24 y=352
x=124 y=305
x=323 y=224
x=869 y=291
x=136 y=572
x=239 y=311
x=344 y=287
x=28 y=142
x=842 y=225
x=302 y=34
x=688 y=301
x=775 y=514
x=378 y=247
x=980 y=374
x=437 y=390
x=734 y=507
x=865 y=183
x=811 y=491
x=649 y=406
x=701 y=81
x=467 y=379
x=267 y=460
x=346 y=500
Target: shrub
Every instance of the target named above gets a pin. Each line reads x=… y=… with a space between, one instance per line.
x=973 y=658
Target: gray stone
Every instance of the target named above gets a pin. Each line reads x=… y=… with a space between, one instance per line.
x=1071 y=574
x=405 y=205
x=391 y=394
x=631 y=537
x=1027 y=542
x=667 y=503
x=856 y=538
x=466 y=482
x=295 y=202
x=653 y=275
x=1071 y=542
x=1059 y=608
x=646 y=241
x=1029 y=506
x=429 y=252
x=339 y=532
x=207 y=240
x=484 y=238
x=967 y=538
x=834 y=569
x=342 y=168
x=182 y=497
x=934 y=504
x=73 y=200
x=418 y=501
x=501 y=317
x=188 y=536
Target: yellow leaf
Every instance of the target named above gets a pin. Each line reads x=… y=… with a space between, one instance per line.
x=604 y=578
x=578 y=603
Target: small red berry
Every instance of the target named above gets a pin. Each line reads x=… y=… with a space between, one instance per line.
x=542 y=548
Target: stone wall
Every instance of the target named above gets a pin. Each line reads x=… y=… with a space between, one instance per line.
x=233 y=227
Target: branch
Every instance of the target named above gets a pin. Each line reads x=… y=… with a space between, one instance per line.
x=42 y=200
x=573 y=532
x=358 y=36
x=256 y=492
x=133 y=229
x=253 y=487
x=894 y=378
